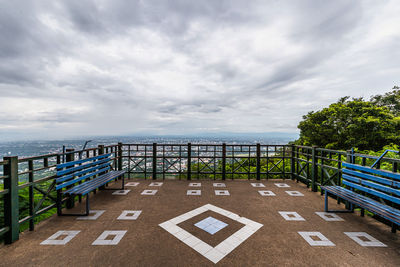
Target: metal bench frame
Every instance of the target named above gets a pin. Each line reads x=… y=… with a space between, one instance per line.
x=81 y=177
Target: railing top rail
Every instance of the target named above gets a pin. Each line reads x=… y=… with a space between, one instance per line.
x=201 y=144
x=331 y=151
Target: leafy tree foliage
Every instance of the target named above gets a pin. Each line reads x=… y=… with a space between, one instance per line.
x=366 y=125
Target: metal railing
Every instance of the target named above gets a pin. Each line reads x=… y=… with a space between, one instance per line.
x=27 y=191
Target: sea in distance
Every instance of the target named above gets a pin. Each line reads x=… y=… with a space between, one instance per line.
x=36 y=148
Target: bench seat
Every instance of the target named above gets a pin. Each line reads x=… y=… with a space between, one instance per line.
x=88 y=186
x=367 y=203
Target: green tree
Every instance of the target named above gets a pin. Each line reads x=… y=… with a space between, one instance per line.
x=366 y=125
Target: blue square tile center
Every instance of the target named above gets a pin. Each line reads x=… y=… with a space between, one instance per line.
x=211 y=225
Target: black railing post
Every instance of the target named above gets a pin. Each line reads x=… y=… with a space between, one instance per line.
x=154 y=161
x=11 y=202
x=119 y=156
x=189 y=161
x=31 y=196
x=258 y=166
x=314 y=169
x=70 y=156
x=292 y=162
x=223 y=161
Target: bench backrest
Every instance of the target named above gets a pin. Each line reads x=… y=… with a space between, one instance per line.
x=73 y=172
x=379 y=184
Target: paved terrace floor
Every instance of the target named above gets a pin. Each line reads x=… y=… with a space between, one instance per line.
x=152 y=232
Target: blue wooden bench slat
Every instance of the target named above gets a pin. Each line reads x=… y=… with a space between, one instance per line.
x=79 y=173
x=372 y=184
x=388 y=174
x=80 y=177
x=74 y=181
x=81 y=167
x=371 y=177
x=73 y=163
x=372 y=192
x=366 y=188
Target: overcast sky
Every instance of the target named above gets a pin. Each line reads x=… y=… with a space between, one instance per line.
x=75 y=68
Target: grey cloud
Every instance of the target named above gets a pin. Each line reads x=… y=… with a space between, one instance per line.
x=178 y=66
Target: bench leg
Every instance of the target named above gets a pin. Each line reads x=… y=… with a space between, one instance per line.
x=59 y=203
x=362 y=212
x=123 y=182
x=326 y=201
x=87 y=205
x=394 y=227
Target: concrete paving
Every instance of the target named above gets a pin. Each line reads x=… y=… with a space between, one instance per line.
x=280 y=222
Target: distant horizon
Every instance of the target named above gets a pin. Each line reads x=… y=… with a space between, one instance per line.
x=276 y=135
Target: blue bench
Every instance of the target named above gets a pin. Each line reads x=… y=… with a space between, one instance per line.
x=369 y=189
x=80 y=177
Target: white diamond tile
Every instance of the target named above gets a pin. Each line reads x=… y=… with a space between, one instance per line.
x=149 y=192
x=291 y=216
x=294 y=193
x=129 y=215
x=323 y=241
x=95 y=216
x=371 y=241
x=219 y=185
x=132 y=184
x=214 y=254
x=257 y=185
x=193 y=193
x=282 y=185
x=266 y=193
x=52 y=240
x=121 y=192
x=328 y=216
x=222 y=192
x=103 y=241
x=156 y=184
x=195 y=184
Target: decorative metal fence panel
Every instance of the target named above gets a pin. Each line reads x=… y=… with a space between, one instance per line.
x=27 y=192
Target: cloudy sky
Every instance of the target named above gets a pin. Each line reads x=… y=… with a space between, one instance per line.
x=75 y=68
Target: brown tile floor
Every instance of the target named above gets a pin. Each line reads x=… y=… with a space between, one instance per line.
x=147 y=244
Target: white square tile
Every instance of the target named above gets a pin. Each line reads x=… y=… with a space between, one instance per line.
x=282 y=185
x=202 y=248
x=266 y=193
x=103 y=241
x=132 y=184
x=219 y=185
x=371 y=241
x=216 y=253
x=294 y=193
x=291 y=216
x=195 y=184
x=52 y=240
x=156 y=184
x=96 y=214
x=121 y=192
x=129 y=215
x=257 y=185
x=193 y=193
x=222 y=192
x=149 y=192
x=323 y=241
x=328 y=216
